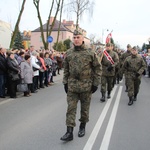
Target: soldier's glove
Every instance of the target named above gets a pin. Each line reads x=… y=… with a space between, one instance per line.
x=94 y=88
x=110 y=68
x=137 y=75
x=66 y=87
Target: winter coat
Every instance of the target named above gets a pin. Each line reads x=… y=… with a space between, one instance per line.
x=3 y=64
x=26 y=72
x=34 y=62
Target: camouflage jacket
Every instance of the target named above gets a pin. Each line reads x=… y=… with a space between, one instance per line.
x=124 y=56
x=133 y=65
x=106 y=63
x=82 y=69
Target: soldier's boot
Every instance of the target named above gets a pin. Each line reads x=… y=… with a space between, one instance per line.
x=103 y=97
x=135 y=97
x=81 y=132
x=130 y=101
x=68 y=135
x=126 y=90
x=108 y=96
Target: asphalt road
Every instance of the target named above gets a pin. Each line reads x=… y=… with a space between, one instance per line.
x=37 y=122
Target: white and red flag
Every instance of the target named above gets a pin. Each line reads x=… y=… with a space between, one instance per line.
x=108 y=38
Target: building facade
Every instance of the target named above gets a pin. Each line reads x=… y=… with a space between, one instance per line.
x=66 y=32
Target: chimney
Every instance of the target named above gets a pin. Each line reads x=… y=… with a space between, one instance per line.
x=51 y=20
x=64 y=21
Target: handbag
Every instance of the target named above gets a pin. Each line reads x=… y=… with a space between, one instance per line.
x=22 y=87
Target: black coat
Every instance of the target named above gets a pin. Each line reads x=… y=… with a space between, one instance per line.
x=13 y=67
x=3 y=64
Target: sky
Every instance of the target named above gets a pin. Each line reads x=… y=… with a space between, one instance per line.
x=127 y=19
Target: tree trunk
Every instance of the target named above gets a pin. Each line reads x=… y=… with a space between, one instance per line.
x=17 y=24
x=59 y=24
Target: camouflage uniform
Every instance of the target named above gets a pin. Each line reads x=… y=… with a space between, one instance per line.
x=82 y=69
x=133 y=67
x=107 y=76
x=122 y=59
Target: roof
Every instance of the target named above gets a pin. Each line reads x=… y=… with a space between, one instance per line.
x=55 y=28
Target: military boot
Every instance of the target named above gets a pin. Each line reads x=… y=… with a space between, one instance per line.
x=126 y=90
x=68 y=135
x=108 y=96
x=130 y=101
x=103 y=97
x=135 y=97
x=81 y=132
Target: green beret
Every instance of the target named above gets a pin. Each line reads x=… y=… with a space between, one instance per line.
x=134 y=47
x=77 y=32
x=109 y=44
x=128 y=46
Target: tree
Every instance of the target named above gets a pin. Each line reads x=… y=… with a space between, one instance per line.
x=61 y=9
x=60 y=45
x=18 y=41
x=67 y=43
x=79 y=7
x=17 y=24
x=48 y=26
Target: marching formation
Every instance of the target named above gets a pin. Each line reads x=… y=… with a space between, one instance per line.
x=84 y=70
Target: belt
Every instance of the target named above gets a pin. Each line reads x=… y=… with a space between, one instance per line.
x=79 y=77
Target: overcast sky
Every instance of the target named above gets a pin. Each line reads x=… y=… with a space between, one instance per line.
x=129 y=19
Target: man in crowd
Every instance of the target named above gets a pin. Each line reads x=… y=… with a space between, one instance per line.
x=82 y=71
x=134 y=66
x=109 y=61
x=3 y=71
x=122 y=59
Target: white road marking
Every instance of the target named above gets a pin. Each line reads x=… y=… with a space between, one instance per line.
x=92 y=138
x=108 y=132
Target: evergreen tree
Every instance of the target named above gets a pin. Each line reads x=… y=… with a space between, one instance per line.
x=18 y=41
x=67 y=42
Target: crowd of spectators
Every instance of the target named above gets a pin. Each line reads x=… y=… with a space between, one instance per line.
x=36 y=68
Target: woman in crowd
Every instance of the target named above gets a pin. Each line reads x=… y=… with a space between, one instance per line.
x=48 y=63
x=54 y=67
x=36 y=67
x=20 y=58
x=42 y=70
x=13 y=74
x=59 y=62
x=27 y=74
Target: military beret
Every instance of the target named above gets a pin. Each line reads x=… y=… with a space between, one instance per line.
x=109 y=44
x=77 y=32
x=134 y=47
x=128 y=46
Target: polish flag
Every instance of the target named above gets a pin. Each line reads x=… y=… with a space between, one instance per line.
x=108 y=39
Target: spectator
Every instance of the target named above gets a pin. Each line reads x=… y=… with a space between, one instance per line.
x=13 y=74
x=3 y=72
x=20 y=58
x=27 y=74
x=35 y=68
x=48 y=63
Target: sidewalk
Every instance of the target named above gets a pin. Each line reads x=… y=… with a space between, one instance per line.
x=57 y=78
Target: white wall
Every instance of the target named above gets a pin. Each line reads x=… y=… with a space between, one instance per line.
x=5 y=34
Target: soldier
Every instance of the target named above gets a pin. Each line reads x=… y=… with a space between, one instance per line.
x=82 y=71
x=134 y=66
x=122 y=59
x=109 y=62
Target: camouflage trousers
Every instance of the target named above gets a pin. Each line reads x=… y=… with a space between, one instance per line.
x=133 y=86
x=106 y=82
x=72 y=101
